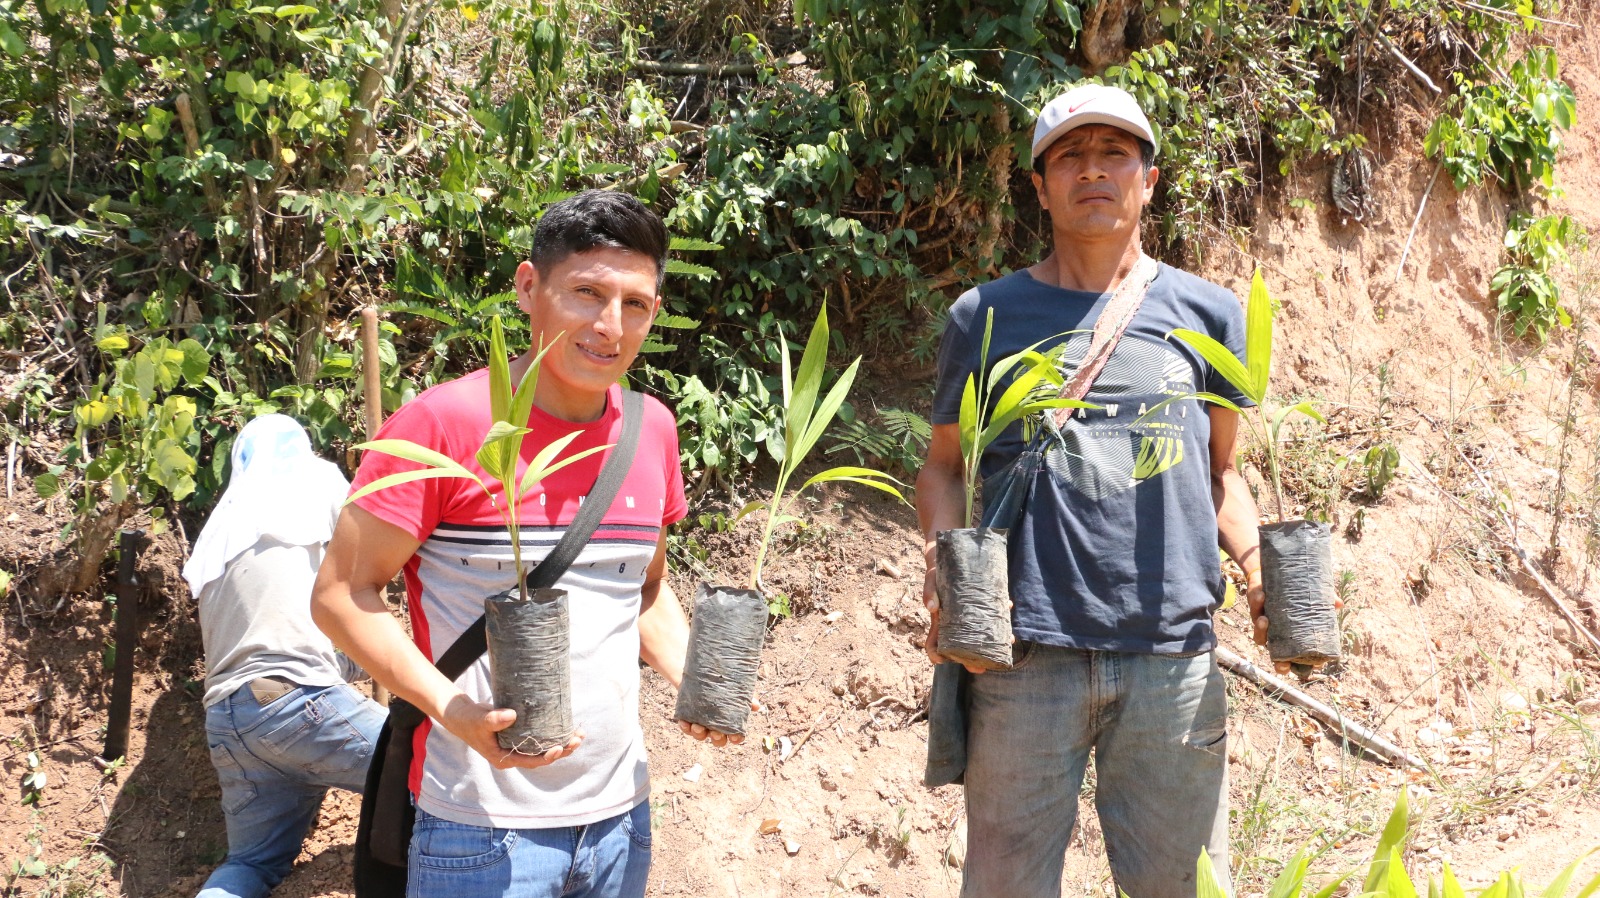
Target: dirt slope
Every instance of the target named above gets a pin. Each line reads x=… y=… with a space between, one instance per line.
x=1454 y=651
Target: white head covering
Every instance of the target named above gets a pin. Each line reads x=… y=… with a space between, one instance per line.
x=279 y=489
x=1090 y=104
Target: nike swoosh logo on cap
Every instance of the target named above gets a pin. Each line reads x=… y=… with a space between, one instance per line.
x=1073 y=109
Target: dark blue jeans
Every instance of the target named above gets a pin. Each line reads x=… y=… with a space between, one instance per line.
x=276 y=762
x=1157 y=725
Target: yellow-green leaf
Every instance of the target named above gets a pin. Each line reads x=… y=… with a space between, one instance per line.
x=422 y=455
x=409 y=476
x=1224 y=361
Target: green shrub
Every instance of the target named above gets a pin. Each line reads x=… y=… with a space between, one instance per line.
x=1523 y=288
x=1508 y=127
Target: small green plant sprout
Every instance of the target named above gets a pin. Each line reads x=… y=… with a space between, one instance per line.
x=805 y=421
x=1249 y=379
x=1030 y=390
x=500 y=451
x=1381 y=462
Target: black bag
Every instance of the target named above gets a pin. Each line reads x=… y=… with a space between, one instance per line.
x=383 y=833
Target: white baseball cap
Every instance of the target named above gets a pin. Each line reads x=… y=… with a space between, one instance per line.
x=1090 y=104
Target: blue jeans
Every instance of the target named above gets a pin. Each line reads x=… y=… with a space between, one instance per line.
x=1157 y=725
x=275 y=762
x=608 y=859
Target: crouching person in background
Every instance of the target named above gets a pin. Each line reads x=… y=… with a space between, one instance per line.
x=282 y=722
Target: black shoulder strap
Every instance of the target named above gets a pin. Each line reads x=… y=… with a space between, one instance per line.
x=470 y=645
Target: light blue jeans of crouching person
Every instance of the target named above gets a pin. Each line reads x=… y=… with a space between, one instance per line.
x=1157 y=725
x=608 y=859
x=277 y=748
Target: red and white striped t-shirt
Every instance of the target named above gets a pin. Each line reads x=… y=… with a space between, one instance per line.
x=466 y=556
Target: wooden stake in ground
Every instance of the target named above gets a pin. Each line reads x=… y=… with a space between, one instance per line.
x=1347 y=729
x=127 y=639
x=372 y=403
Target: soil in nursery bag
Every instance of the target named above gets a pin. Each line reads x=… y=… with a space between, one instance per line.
x=974 y=612
x=1297 y=573
x=529 y=667
x=719 y=674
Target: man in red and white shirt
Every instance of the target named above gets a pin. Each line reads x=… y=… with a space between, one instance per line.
x=575 y=820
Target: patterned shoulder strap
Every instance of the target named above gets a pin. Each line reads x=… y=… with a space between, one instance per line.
x=1108 y=329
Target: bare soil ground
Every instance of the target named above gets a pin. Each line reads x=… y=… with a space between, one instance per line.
x=1454 y=651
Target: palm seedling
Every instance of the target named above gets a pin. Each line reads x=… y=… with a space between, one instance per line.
x=729 y=624
x=1296 y=555
x=972 y=583
x=528 y=633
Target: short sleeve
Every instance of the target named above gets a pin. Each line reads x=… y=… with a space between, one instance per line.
x=664 y=431
x=416 y=507
x=955 y=364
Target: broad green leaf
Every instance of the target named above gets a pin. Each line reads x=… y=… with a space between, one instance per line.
x=752 y=506
x=92 y=413
x=112 y=343
x=788 y=381
x=1399 y=883
x=1258 y=337
x=1206 y=884
x=501 y=446
x=196 y=361
x=1288 y=883
x=1226 y=363
x=1591 y=888
x=534 y=475
x=1394 y=834
x=807 y=384
x=1212 y=398
x=422 y=455
x=868 y=478
x=544 y=457
x=240 y=83
x=144 y=376
x=967 y=421
x=824 y=415
x=11 y=41
x=1448 y=886
x=528 y=387
x=988 y=332
x=1500 y=889
x=408 y=476
x=47 y=485
x=298 y=9
x=1278 y=417
x=1328 y=890
x=1001 y=422
x=499 y=373
x=1558 y=887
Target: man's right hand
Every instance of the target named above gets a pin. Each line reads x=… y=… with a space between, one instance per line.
x=476 y=724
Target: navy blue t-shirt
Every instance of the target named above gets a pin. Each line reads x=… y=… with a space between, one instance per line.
x=1117 y=547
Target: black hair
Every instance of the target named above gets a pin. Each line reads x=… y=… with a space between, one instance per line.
x=597 y=218
x=1147 y=157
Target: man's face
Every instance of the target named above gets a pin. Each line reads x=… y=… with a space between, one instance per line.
x=601 y=304
x=1094 y=184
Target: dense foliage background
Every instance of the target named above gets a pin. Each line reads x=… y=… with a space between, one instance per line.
x=197 y=196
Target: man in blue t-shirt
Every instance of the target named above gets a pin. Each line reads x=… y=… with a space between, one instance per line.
x=1113 y=563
